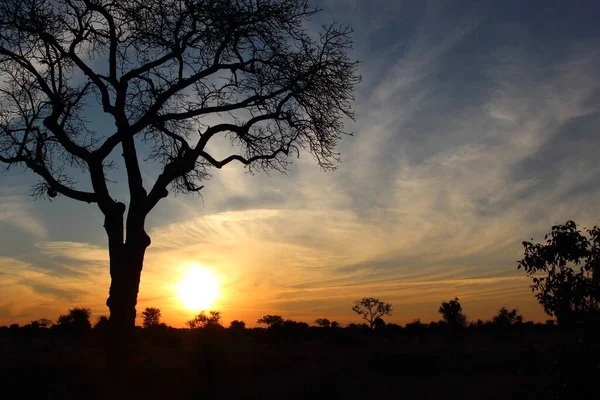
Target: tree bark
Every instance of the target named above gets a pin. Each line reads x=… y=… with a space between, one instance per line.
x=126 y=263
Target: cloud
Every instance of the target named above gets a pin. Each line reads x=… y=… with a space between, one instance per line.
x=30 y=292
x=83 y=253
x=16 y=211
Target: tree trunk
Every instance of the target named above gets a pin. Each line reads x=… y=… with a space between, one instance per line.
x=126 y=262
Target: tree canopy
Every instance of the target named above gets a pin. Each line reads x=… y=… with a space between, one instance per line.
x=272 y=321
x=452 y=313
x=565 y=271
x=151 y=316
x=371 y=309
x=202 y=320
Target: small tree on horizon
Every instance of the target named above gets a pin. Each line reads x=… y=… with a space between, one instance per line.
x=452 y=313
x=101 y=322
x=202 y=320
x=151 y=316
x=506 y=318
x=272 y=321
x=76 y=321
x=323 y=322
x=236 y=325
x=371 y=308
x=41 y=323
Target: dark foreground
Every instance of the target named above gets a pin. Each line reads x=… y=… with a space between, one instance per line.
x=517 y=363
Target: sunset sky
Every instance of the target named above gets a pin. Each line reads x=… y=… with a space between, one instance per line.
x=477 y=127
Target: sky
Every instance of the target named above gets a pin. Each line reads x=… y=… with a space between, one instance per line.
x=476 y=128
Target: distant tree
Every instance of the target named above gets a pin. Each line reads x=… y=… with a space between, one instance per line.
x=76 y=321
x=202 y=320
x=371 y=308
x=415 y=326
x=294 y=326
x=506 y=318
x=392 y=327
x=452 y=313
x=33 y=325
x=323 y=322
x=335 y=324
x=237 y=325
x=42 y=323
x=272 y=321
x=379 y=324
x=101 y=322
x=477 y=324
x=566 y=273
x=151 y=317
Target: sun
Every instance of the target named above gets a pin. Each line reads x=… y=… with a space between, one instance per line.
x=198 y=289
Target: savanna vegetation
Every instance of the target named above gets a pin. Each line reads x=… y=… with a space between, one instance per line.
x=503 y=357
x=164 y=75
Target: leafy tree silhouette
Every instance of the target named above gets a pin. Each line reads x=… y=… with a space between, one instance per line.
x=151 y=317
x=323 y=322
x=272 y=321
x=379 y=324
x=569 y=285
x=101 y=322
x=76 y=322
x=202 y=320
x=172 y=77
x=506 y=318
x=236 y=325
x=452 y=313
x=42 y=323
x=371 y=308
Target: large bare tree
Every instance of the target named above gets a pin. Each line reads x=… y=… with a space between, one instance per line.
x=171 y=76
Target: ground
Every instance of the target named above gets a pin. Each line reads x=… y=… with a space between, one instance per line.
x=519 y=363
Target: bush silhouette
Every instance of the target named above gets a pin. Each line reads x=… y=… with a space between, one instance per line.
x=76 y=322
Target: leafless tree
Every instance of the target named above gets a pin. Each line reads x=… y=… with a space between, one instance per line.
x=168 y=77
x=371 y=308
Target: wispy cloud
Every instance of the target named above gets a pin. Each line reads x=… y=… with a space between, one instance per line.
x=16 y=211
x=30 y=292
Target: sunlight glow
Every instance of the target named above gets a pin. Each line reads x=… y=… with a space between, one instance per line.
x=198 y=289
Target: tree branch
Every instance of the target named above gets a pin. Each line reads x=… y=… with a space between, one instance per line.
x=52 y=182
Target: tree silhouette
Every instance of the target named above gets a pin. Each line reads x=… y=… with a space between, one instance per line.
x=506 y=318
x=452 y=313
x=371 y=308
x=236 y=325
x=151 y=317
x=77 y=321
x=202 y=320
x=42 y=323
x=323 y=322
x=87 y=82
x=569 y=263
x=101 y=322
x=272 y=321
x=379 y=324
